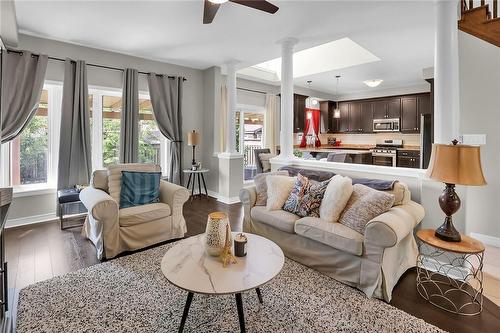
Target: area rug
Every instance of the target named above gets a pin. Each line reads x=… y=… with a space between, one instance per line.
x=130 y=294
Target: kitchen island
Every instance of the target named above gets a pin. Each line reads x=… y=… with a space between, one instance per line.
x=357 y=155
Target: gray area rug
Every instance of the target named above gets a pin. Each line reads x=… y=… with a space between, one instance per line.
x=130 y=294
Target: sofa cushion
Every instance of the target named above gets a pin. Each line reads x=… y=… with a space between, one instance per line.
x=336 y=196
x=292 y=203
x=261 y=186
x=278 y=189
x=365 y=204
x=115 y=175
x=139 y=188
x=99 y=180
x=143 y=214
x=317 y=175
x=264 y=160
x=402 y=194
x=278 y=219
x=335 y=235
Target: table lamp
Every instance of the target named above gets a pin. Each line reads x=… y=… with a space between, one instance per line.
x=454 y=165
x=193 y=140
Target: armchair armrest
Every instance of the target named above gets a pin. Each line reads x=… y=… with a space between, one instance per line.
x=388 y=229
x=100 y=204
x=173 y=195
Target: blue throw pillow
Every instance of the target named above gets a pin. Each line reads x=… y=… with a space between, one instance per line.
x=139 y=188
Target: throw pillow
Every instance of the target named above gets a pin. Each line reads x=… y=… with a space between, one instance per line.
x=365 y=204
x=264 y=160
x=139 y=188
x=278 y=189
x=311 y=201
x=261 y=186
x=336 y=196
x=300 y=187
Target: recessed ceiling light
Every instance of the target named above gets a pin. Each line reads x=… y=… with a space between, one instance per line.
x=373 y=83
x=218 y=1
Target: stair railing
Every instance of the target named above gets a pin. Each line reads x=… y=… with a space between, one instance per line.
x=468 y=5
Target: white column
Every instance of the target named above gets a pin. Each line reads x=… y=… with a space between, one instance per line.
x=231 y=108
x=286 y=134
x=446 y=84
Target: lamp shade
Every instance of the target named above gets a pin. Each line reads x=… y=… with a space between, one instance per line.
x=456 y=164
x=193 y=138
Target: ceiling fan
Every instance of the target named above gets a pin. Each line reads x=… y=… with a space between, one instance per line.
x=212 y=6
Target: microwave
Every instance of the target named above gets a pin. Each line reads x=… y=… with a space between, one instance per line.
x=386 y=125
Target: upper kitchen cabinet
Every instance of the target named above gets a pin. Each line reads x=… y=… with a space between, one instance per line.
x=299 y=106
x=327 y=120
x=388 y=108
x=411 y=109
x=342 y=124
x=366 y=117
x=355 y=117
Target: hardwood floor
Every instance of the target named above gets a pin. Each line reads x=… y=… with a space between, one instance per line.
x=41 y=251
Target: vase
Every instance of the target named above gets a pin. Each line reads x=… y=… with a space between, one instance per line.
x=215 y=234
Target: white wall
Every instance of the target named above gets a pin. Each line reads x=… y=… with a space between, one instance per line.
x=192 y=98
x=479 y=64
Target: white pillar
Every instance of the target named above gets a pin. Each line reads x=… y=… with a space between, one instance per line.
x=446 y=84
x=286 y=134
x=231 y=108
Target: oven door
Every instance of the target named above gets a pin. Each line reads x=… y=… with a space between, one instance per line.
x=383 y=159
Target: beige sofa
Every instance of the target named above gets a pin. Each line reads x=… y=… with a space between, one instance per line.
x=372 y=262
x=114 y=230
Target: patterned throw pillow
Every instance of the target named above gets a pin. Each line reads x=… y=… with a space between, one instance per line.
x=139 y=188
x=365 y=204
x=305 y=197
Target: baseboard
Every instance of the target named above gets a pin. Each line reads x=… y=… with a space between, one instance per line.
x=223 y=199
x=488 y=240
x=11 y=223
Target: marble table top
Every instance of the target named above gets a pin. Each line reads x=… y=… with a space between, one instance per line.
x=187 y=266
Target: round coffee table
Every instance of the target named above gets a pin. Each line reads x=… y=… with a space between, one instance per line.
x=187 y=266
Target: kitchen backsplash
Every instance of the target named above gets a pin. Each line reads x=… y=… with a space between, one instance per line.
x=408 y=139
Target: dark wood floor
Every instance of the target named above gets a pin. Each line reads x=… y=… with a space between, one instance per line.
x=38 y=252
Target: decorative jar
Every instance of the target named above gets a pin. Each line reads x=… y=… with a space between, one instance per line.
x=215 y=234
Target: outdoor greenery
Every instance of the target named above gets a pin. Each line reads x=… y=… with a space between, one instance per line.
x=110 y=141
x=33 y=148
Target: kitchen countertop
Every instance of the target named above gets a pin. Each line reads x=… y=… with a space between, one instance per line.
x=337 y=150
x=346 y=146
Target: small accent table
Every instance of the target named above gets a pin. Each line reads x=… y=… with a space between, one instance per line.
x=69 y=198
x=188 y=267
x=449 y=274
x=193 y=174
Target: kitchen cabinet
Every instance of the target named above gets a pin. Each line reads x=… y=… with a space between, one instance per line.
x=411 y=109
x=343 y=121
x=327 y=121
x=354 y=117
x=299 y=106
x=387 y=108
x=366 y=117
x=408 y=159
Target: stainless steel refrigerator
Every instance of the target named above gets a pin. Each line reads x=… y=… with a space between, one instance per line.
x=426 y=140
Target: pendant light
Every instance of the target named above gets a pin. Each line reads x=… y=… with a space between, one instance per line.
x=311 y=102
x=336 y=111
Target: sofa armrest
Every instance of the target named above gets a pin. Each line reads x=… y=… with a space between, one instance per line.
x=388 y=229
x=100 y=204
x=173 y=195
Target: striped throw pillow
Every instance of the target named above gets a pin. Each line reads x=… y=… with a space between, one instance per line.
x=139 y=188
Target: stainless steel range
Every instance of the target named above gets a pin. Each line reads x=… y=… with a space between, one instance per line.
x=385 y=152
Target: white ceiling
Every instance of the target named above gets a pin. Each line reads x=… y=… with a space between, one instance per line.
x=400 y=33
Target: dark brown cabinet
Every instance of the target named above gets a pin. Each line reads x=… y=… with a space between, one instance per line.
x=387 y=108
x=408 y=159
x=327 y=121
x=366 y=117
x=299 y=106
x=411 y=109
x=354 y=117
x=343 y=121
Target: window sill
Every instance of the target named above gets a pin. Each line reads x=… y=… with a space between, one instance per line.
x=31 y=190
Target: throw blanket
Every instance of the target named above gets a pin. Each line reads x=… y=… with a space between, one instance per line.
x=319 y=176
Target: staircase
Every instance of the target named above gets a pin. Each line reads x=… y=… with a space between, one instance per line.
x=479 y=21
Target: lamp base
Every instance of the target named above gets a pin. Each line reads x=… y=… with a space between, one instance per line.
x=449 y=203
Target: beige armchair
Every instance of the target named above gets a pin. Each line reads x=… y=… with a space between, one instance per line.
x=114 y=230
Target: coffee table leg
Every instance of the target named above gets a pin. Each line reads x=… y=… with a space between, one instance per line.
x=186 y=311
x=259 y=295
x=241 y=315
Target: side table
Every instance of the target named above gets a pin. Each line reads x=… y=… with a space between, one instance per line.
x=69 y=198
x=193 y=174
x=449 y=274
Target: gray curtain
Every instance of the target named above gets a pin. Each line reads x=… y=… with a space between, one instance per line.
x=129 y=133
x=22 y=82
x=166 y=99
x=75 y=163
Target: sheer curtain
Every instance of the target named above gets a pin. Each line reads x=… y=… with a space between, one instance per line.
x=270 y=123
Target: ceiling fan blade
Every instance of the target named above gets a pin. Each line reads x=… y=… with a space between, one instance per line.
x=258 y=4
x=209 y=11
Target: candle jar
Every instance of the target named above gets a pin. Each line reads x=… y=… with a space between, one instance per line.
x=240 y=245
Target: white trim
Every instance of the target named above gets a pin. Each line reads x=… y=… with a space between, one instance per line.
x=30 y=220
x=220 y=198
x=488 y=240
x=230 y=156
x=33 y=190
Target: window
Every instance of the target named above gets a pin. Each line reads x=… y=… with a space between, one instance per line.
x=249 y=136
x=149 y=134
x=111 y=113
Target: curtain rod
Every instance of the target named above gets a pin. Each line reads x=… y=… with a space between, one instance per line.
x=251 y=90
x=92 y=65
